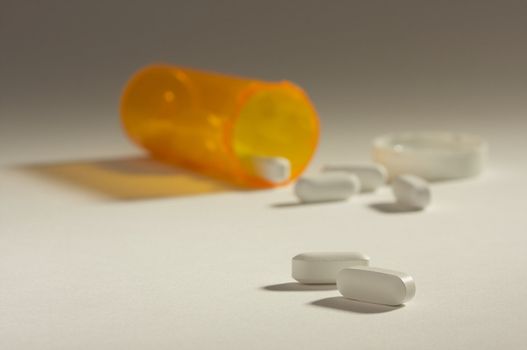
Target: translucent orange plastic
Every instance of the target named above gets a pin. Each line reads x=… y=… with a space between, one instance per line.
x=214 y=123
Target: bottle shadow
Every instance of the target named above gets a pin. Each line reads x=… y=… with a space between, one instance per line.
x=349 y=305
x=127 y=178
x=298 y=287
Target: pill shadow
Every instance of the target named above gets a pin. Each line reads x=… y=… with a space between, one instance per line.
x=298 y=287
x=126 y=178
x=392 y=208
x=298 y=204
x=349 y=305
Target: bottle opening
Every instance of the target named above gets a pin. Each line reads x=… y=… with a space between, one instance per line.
x=275 y=121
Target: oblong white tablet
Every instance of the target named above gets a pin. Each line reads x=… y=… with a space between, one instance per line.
x=327 y=187
x=375 y=285
x=323 y=267
x=272 y=169
x=371 y=176
x=411 y=191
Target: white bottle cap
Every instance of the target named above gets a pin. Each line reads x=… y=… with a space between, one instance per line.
x=434 y=156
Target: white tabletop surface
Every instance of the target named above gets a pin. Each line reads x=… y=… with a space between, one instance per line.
x=94 y=254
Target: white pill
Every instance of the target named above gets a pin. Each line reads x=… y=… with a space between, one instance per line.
x=411 y=191
x=327 y=187
x=272 y=169
x=371 y=176
x=375 y=285
x=323 y=267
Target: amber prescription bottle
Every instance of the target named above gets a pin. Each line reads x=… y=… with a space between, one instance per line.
x=213 y=123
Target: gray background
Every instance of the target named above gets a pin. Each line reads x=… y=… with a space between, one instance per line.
x=369 y=58
x=101 y=248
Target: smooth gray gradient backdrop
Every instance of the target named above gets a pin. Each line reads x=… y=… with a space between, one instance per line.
x=370 y=57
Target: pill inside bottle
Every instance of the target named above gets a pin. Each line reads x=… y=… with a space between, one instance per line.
x=273 y=169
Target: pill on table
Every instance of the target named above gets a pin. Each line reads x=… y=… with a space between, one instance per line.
x=375 y=285
x=371 y=176
x=411 y=191
x=272 y=169
x=323 y=267
x=326 y=187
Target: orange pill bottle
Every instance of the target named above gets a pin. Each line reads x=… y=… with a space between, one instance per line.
x=212 y=123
